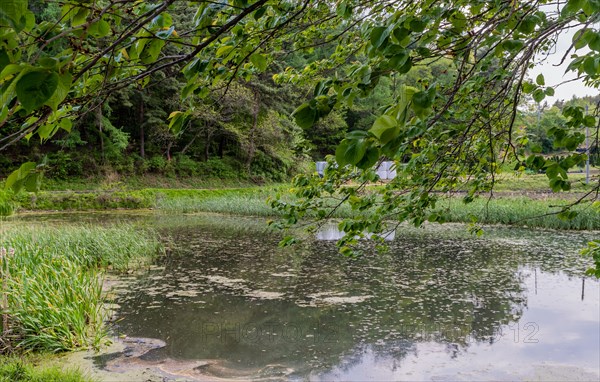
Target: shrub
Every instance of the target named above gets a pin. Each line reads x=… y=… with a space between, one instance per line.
x=217 y=168
x=185 y=166
x=62 y=165
x=157 y=164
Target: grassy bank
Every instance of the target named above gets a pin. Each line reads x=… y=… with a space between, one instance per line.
x=134 y=199
x=520 y=211
x=52 y=286
x=527 y=206
x=136 y=182
x=25 y=369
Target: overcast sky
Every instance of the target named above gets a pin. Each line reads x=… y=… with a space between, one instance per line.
x=556 y=74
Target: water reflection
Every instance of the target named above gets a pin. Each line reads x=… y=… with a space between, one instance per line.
x=439 y=304
x=331 y=232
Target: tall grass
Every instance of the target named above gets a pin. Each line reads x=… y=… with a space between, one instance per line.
x=22 y=369
x=52 y=286
x=521 y=211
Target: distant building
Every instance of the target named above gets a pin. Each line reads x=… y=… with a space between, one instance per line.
x=386 y=170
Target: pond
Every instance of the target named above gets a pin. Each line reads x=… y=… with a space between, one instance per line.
x=441 y=304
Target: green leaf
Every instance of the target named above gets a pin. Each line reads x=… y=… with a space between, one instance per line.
x=79 y=17
x=224 y=50
x=66 y=124
x=288 y=241
x=572 y=7
x=305 y=116
x=582 y=37
x=10 y=70
x=151 y=51
x=259 y=61
x=385 y=128
x=590 y=66
x=379 y=35
x=406 y=67
x=528 y=87
x=528 y=24
x=416 y=25
x=35 y=88
x=369 y=159
x=513 y=46
x=164 y=20
x=567 y=215
x=350 y=151
x=178 y=119
x=4 y=59
x=549 y=92
x=12 y=12
x=33 y=182
x=15 y=180
x=99 y=29
x=540 y=80
x=63 y=88
x=46 y=131
x=423 y=101
x=594 y=42
x=260 y=12
x=401 y=35
x=398 y=60
x=589 y=121
x=538 y=95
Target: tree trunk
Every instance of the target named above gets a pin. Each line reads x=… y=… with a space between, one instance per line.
x=221 y=147
x=141 y=124
x=169 y=145
x=251 y=137
x=99 y=123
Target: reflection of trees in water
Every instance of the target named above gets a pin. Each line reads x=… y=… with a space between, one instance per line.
x=451 y=290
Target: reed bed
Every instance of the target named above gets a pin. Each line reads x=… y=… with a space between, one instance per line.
x=52 y=296
x=519 y=211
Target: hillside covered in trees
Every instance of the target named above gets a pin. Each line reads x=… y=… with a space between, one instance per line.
x=242 y=129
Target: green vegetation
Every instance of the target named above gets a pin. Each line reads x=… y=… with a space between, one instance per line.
x=541 y=211
x=524 y=183
x=593 y=250
x=52 y=285
x=7 y=204
x=133 y=199
x=24 y=369
x=520 y=211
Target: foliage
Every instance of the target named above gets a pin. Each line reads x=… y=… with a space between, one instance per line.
x=7 y=204
x=593 y=250
x=452 y=78
x=99 y=200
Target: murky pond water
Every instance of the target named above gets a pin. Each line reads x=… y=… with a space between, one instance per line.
x=439 y=305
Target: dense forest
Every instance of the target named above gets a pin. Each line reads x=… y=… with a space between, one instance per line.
x=243 y=129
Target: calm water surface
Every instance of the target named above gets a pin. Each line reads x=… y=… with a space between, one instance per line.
x=440 y=305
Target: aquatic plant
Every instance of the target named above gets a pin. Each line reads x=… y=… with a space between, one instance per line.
x=52 y=286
